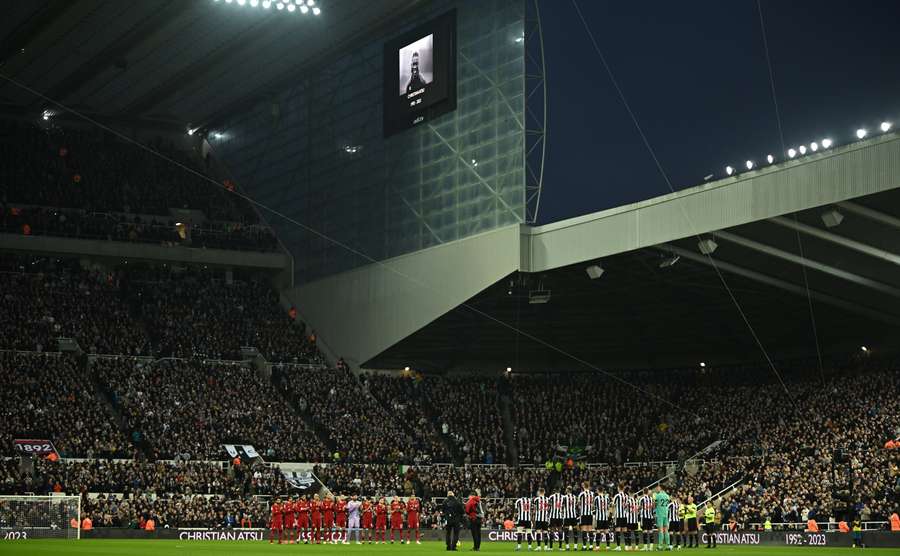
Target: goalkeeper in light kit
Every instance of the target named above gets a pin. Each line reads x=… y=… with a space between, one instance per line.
x=662 y=519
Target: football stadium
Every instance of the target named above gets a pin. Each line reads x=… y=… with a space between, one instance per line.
x=415 y=276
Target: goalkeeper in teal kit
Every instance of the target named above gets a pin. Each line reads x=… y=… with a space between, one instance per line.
x=662 y=519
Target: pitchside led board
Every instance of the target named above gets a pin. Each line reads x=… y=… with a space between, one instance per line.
x=420 y=74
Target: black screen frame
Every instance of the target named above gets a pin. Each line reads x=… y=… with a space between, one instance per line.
x=439 y=97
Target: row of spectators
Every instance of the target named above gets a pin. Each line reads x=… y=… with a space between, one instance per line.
x=177 y=312
x=188 y=409
x=176 y=511
x=81 y=224
x=46 y=396
x=362 y=427
x=133 y=477
x=95 y=171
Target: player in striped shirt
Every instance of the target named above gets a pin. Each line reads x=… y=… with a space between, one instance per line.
x=619 y=503
x=646 y=512
x=540 y=513
x=601 y=511
x=556 y=518
x=570 y=516
x=631 y=517
x=676 y=520
x=523 y=521
x=585 y=505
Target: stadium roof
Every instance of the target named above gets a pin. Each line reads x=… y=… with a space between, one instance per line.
x=836 y=262
x=171 y=61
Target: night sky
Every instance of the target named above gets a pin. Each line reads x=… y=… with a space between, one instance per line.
x=695 y=75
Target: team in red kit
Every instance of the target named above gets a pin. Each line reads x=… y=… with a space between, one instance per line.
x=333 y=520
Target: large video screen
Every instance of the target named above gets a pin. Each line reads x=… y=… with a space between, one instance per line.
x=420 y=74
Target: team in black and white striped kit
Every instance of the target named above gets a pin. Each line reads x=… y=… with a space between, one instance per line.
x=593 y=518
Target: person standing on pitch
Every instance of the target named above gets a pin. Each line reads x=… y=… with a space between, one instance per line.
x=353 y=507
x=475 y=513
x=453 y=512
x=662 y=500
x=709 y=525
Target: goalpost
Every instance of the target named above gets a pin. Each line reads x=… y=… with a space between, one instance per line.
x=40 y=517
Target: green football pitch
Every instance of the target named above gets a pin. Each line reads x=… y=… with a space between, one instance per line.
x=189 y=548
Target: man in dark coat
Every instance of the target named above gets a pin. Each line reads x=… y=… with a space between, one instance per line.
x=453 y=514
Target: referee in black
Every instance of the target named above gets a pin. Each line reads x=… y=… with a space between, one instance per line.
x=453 y=514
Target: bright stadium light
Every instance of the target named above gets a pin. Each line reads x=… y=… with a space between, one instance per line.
x=316 y=10
x=792 y=153
x=254 y=3
x=291 y=7
x=886 y=126
x=802 y=150
x=749 y=164
x=241 y=2
x=228 y=1
x=864 y=349
x=267 y=4
x=310 y=3
x=826 y=143
x=729 y=170
x=405 y=368
x=861 y=133
x=303 y=9
x=509 y=369
x=702 y=364
x=770 y=159
x=280 y=6
x=813 y=146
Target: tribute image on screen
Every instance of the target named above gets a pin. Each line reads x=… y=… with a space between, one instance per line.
x=416 y=65
x=420 y=74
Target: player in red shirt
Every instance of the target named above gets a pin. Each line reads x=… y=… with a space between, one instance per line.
x=315 y=519
x=301 y=507
x=328 y=519
x=413 y=507
x=380 y=519
x=340 y=518
x=396 y=519
x=287 y=511
x=367 y=522
x=275 y=522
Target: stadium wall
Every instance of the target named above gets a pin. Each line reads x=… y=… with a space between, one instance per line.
x=318 y=155
x=364 y=311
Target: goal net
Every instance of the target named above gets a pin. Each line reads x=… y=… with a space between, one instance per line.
x=40 y=517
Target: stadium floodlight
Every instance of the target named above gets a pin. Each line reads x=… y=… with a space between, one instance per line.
x=802 y=150
x=45 y=115
x=310 y=3
x=770 y=159
x=405 y=368
x=886 y=126
x=792 y=153
x=861 y=133
x=254 y=3
x=228 y=1
x=241 y=2
x=826 y=143
x=702 y=364
x=749 y=164
x=279 y=6
x=707 y=246
x=291 y=7
x=316 y=10
x=864 y=349
x=509 y=369
x=304 y=9
x=729 y=170
x=813 y=146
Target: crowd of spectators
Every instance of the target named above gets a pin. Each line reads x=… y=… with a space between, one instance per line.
x=49 y=397
x=188 y=409
x=95 y=171
x=176 y=510
x=134 y=477
x=197 y=313
x=467 y=410
x=45 y=299
x=81 y=224
x=360 y=426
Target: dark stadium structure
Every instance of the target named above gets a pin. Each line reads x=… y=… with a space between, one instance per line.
x=643 y=313
x=247 y=261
